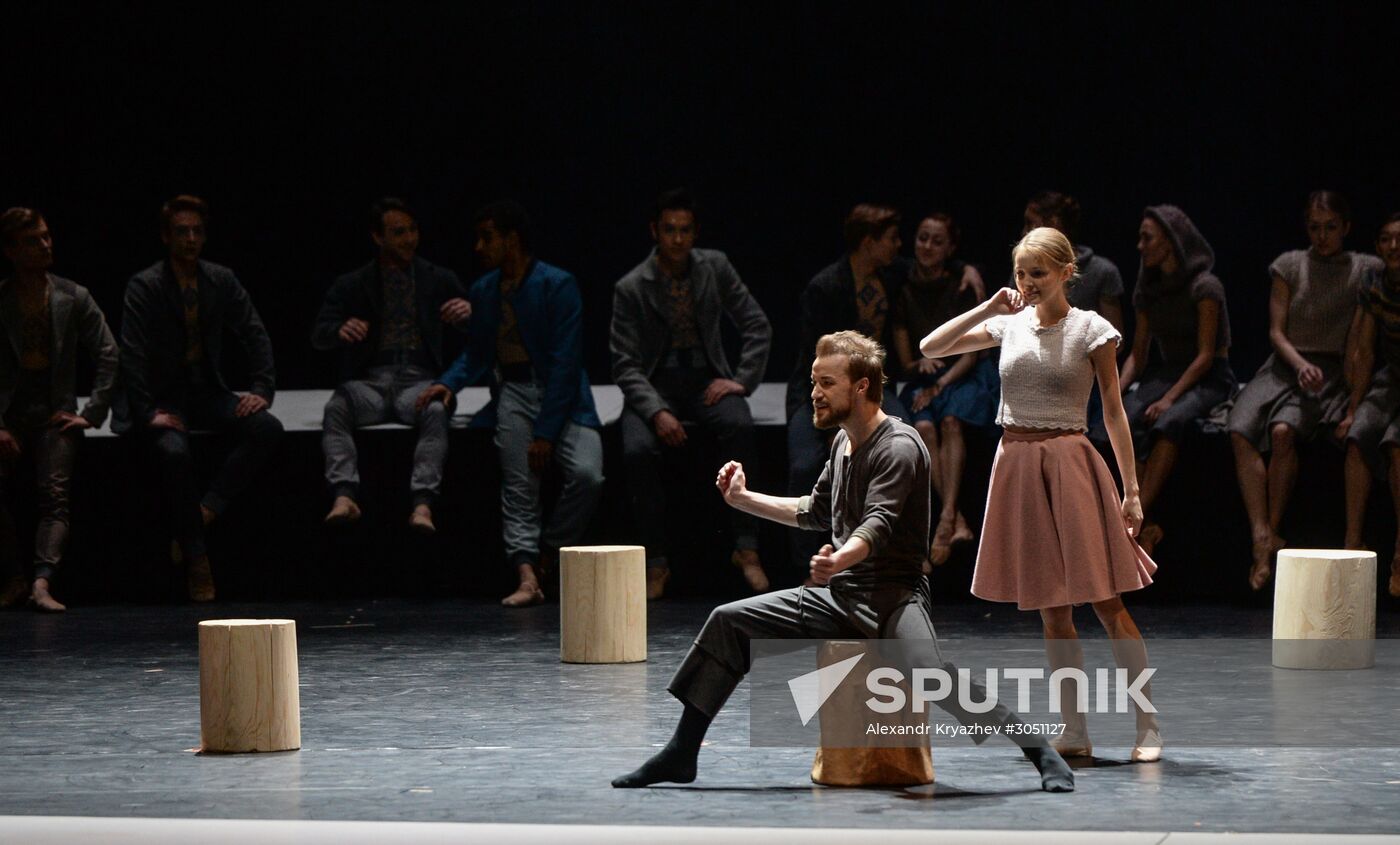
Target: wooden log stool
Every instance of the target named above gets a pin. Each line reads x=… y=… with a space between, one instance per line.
x=842 y=759
x=1325 y=609
x=602 y=604
x=248 y=696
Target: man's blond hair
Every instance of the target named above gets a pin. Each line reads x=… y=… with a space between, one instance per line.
x=865 y=358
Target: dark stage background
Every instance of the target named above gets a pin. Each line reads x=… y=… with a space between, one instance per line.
x=289 y=118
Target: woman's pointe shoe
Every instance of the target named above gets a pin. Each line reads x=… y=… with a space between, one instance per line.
x=1149 y=747
x=1073 y=745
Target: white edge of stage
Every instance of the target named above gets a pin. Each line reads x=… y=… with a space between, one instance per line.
x=81 y=830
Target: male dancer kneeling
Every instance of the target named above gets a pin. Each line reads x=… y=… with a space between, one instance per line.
x=874 y=498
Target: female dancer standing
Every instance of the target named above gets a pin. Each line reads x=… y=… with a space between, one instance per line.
x=1056 y=533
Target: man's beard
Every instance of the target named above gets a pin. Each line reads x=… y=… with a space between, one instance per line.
x=834 y=418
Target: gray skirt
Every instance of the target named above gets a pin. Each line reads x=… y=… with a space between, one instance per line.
x=1376 y=426
x=1273 y=396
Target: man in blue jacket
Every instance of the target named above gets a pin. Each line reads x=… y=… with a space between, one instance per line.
x=526 y=335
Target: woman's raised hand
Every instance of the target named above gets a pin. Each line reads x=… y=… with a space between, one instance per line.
x=1006 y=301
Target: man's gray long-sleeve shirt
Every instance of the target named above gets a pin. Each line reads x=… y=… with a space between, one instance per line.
x=879 y=493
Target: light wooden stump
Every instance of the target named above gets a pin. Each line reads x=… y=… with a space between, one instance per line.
x=602 y=604
x=844 y=718
x=1325 y=609
x=248 y=696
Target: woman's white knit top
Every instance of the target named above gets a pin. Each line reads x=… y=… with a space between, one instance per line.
x=1046 y=374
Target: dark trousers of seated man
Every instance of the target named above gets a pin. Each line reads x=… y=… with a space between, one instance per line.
x=256 y=437
x=44 y=467
x=809 y=448
x=719 y=658
x=729 y=420
x=387 y=393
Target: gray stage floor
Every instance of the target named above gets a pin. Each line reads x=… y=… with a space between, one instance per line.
x=460 y=712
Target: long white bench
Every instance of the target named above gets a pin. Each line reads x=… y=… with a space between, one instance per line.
x=300 y=410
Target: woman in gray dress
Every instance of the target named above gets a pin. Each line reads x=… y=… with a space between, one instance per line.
x=1301 y=388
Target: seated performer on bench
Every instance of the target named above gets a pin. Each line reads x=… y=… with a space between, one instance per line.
x=873 y=496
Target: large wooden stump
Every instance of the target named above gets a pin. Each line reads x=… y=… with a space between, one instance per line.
x=1325 y=609
x=841 y=760
x=602 y=604
x=248 y=696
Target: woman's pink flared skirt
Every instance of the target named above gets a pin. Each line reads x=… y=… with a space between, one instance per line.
x=1054 y=533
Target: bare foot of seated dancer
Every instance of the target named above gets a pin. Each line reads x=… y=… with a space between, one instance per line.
x=199 y=579
x=746 y=560
x=40 y=599
x=942 y=546
x=657 y=576
x=1150 y=535
x=1395 y=574
x=14 y=592
x=343 y=511
x=1265 y=548
x=421 y=520
x=529 y=592
x=962 y=532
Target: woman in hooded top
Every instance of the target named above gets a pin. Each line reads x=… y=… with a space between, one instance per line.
x=1056 y=532
x=1301 y=387
x=1180 y=308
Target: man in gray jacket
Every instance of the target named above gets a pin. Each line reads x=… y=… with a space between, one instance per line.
x=45 y=319
x=668 y=358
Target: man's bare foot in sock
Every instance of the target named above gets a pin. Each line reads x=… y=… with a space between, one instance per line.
x=669 y=765
x=529 y=592
x=421 y=520
x=40 y=599
x=1055 y=773
x=343 y=511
